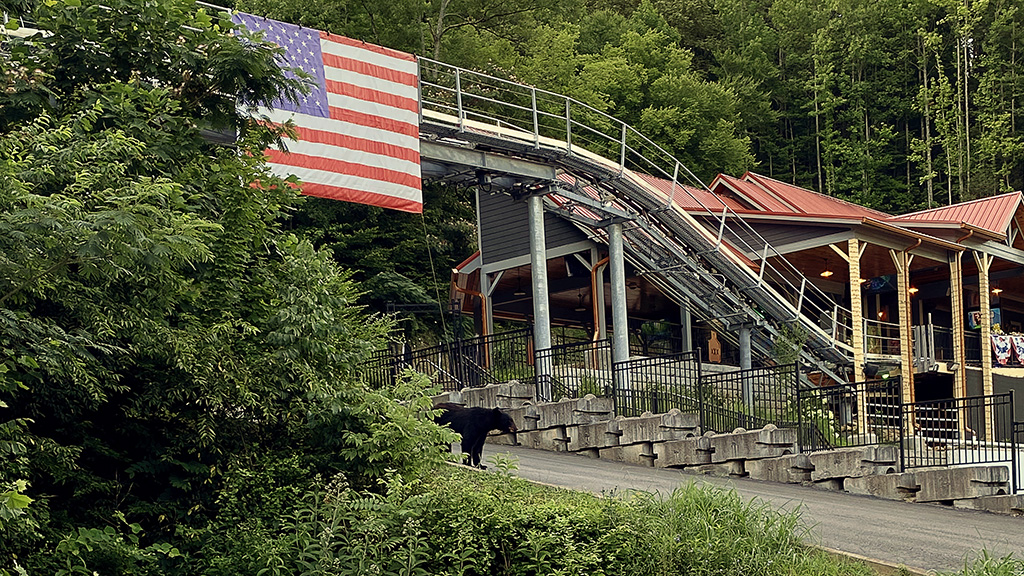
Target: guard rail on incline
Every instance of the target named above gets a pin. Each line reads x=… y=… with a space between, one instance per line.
x=710 y=253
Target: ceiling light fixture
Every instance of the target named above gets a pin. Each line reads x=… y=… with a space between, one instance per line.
x=519 y=285
x=579 y=306
x=826 y=272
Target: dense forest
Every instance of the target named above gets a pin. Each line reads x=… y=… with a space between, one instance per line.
x=181 y=333
x=898 y=106
x=894 y=105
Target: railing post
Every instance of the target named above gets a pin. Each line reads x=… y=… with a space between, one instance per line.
x=458 y=100
x=419 y=91
x=1014 y=462
x=622 y=152
x=568 y=127
x=800 y=300
x=800 y=433
x=764 y=263
x=536 y=122
x=675 y=179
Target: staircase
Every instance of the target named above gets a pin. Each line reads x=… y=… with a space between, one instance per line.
x=713 y=261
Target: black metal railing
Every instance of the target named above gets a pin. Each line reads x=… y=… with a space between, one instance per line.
x=730 y=353
x=462 y=363
x=941 y=338
x=659 y=338
x=658 y=384
x=972 y=347
x=749 y=398
x=574 y=370
x=847 y=415
x=1018 y=440
x=382 y=368
x=960 y=431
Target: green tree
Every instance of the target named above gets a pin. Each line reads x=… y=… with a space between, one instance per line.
x=158 y=326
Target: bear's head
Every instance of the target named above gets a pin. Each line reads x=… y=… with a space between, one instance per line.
x=504 y=421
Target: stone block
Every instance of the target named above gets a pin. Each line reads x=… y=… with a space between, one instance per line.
x=686 y=452
x=597 y=435
x=524 y=416
x=854 y=462
x=677 y=424
x=946 y=484
x=495 y=437
x=1011 y=504
x=514 y=394
x=732 y=468
x=829 y=484
x=552 y=414
x=642 y=453
x=768 y=442
x=592 y=409
x=898 y=486
x=553 y=439
x=453 y=397
x=484 y=396
x=643 y=428
x=792 y=469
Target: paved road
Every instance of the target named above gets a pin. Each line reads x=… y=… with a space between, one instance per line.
x=925 y=536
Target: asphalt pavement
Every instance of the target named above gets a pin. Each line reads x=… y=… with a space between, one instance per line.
x=922 y=536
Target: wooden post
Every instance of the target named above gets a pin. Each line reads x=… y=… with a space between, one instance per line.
x=956 y=296
x=902 y=261
x=984 y=264
x=854 y=251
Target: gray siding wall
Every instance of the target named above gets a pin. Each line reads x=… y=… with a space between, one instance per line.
x=505 y=230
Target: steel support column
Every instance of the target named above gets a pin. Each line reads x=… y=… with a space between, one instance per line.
x=541 y=305
x=748 y=384
x=685 y=328
x=620 y=323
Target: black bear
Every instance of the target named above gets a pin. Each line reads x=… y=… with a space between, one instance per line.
x=473 y=424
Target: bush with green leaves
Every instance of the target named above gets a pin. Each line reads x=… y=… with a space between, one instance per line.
x=161 y=332
x=458 y=522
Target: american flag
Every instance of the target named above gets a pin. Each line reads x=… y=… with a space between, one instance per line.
x=358 y=129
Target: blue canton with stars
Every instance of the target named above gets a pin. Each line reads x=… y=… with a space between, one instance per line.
x=302 y=51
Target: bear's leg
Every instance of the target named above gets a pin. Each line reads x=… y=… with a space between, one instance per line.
x=467 y=448
x=478 y=451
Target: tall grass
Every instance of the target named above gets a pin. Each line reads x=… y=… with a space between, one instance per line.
x=462 y=523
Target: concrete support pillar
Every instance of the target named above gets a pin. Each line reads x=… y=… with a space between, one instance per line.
x=685 y=328
x=984 y=295
x=617 y=263
x=748 y=385
x=541 y=305
x=745 y=347
x=902 y=261
x=486 y=288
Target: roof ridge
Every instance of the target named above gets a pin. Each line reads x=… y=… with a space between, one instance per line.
x=816 y=193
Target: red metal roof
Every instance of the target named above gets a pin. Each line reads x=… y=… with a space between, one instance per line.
x=993 y=214
x=810 y=202
x=755 y=196
x=689 y=198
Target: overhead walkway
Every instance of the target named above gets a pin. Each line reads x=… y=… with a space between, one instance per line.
x=713 y=262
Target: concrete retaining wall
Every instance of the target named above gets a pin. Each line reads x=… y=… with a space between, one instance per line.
x=588 y=426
